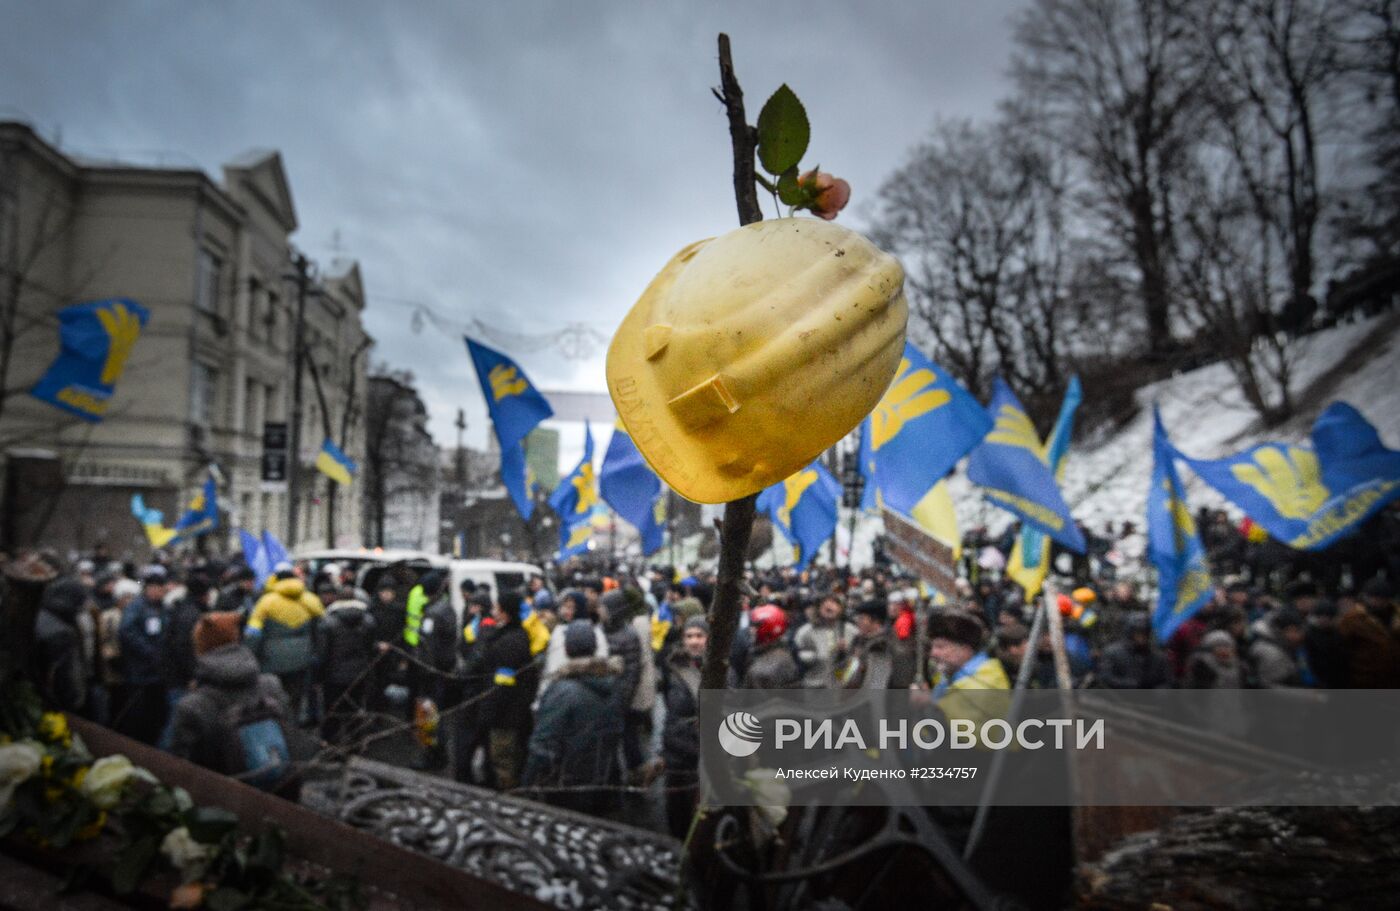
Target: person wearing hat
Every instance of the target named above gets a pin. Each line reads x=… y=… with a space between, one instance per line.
x=229 y=690
x=1275 y=649
x=1323 y=649
x=58 y=653
x=144 y=709
x=1371 y=638
x=1012 y=640
x=345 y=653
x=237 y=592
x=577 y=730
x=964 y=672
x=505 y=708
x=282 y=630
x=1133 y=662
x=1215 y=664
x=871 y=662
x=680 y=739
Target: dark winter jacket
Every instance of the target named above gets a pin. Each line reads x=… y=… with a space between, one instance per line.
x=1372 y=649
x=438 y=635
x=62 y=671
x=1326 y=656
x=624 y=644
x=177 y=650
x=142 y=634
x=233 y=599
x=506 y=656
x=1124 y=666
x=346 y=643
x=773 y=668
x=224 y=677
x=577 y=732
x=680 y=740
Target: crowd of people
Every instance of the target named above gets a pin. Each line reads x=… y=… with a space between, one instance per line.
x=579 y=692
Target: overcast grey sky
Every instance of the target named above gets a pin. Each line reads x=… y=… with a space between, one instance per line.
x=528 y=164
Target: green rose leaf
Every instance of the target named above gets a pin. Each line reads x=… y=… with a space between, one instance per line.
x=783 y=131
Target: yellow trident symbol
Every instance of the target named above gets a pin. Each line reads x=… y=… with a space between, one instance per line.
x=658 y=511
x=1288 y=477
x=1013 y=428
x=506 y=380
x=1183 y=523
x=913 y=394
x=793 y=489
x=587 y=490
x=122 y=327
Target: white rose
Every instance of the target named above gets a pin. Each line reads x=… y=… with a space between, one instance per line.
x=105 y=780
x=772 y=795
x=185 y=854
x=18 y=763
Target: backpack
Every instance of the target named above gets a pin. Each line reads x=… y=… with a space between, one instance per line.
x=253 y=743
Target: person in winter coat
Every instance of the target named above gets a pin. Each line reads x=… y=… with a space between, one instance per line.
x=577 y=729
x=1372 y=639
x=1133 y=662
x=143 y=710
x=226 y=679
x=436 y=650
x=964 y=670
x=554 y=656
x=1273 y=653
x=475 y=681
x=680 y=739
x=870 y=662
x=236 y=595
x=772 y=666
x=1325 y=652
x=625 y=642
x=177 y=649
x=61 y=672
x=281 y=633
x=505 y=710
x=346 y=653
x=1215 y=665
x=818 y=642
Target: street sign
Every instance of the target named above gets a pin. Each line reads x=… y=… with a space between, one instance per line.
x=274 y=454
x=920 y=552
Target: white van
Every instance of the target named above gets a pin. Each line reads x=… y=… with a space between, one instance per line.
x=371 y=564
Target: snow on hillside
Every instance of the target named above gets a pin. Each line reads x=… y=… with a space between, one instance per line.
x=1205 y=416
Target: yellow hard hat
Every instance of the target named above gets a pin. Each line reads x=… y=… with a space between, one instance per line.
x=751 y=353
x=1085 y=595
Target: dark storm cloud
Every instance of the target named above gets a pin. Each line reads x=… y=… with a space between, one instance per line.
x=529 y=164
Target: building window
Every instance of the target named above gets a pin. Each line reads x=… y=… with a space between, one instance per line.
x=203 y=393
x=207 y=282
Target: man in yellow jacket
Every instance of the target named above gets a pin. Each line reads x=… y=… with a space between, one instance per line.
x=281 y=632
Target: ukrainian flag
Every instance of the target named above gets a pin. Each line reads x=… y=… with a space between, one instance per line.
x=516 y=407
x=803 y=508
x=1173 y=542
x=152 y=522
x=1029 y=562
x=334 y=464
x=573 y=501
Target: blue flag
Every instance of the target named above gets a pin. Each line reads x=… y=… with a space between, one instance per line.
x=919 y=430
x=631 y=488
x=1310 y=496
x=1029 y=562
x=803 y=508
x=1015 y=472
x=274 y=552
x=516 y=408
x=202 y=515
x=96 y=339
x=573 y=501
x=1173 y=543
x=255 y=556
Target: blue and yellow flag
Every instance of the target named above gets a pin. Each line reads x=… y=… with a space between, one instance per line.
x=1014 y=471
x=96 y=339
x=152 y=522
x=1310 y=496
x=919 y=430
x=633 y=490
x=516 y=408
x=1029 y=562
x=803 y=508
x=202 y=515
x=573 y=501
x=1173 y=543
x=255 y=557
x=334 y=464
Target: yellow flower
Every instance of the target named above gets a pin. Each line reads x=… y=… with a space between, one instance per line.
x=53 y=727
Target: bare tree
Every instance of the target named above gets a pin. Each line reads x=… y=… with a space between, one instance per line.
x=349 y=415
x=977 y=215
x=1369 y=217
x=400 y=460
x=1111 y=84
x=1275 y=64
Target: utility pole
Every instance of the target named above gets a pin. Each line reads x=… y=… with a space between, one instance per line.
x=461 y=465
x=302 y=278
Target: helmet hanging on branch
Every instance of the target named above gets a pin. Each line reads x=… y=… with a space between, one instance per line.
x=751 y=353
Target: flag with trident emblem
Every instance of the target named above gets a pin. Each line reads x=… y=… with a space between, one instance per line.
x=803 y=508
